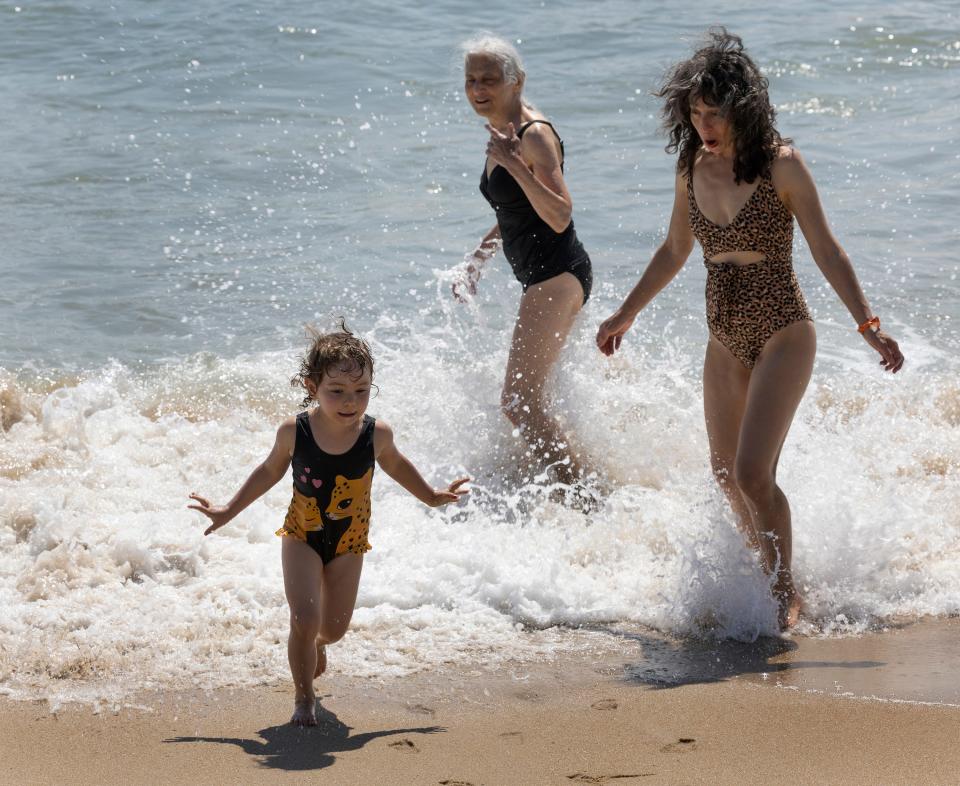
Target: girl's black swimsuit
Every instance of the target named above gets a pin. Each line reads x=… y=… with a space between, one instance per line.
x=330 y=509
x=535 y=252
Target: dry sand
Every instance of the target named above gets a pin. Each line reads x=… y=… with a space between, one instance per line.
x=656 y=711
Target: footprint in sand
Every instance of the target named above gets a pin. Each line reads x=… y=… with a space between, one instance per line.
x=681 y=745
x=405 y=745
x=421 y=709
x=604 y=704
x=527 y=695
x=581 y=777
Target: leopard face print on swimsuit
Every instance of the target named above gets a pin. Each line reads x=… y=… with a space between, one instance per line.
x=747 y=304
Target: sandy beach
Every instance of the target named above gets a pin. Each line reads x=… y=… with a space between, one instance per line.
x=798 y=711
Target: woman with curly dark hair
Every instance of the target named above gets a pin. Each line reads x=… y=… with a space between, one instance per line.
x=739 y=186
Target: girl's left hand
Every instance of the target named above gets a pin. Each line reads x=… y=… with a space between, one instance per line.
x=451 y=494
x=504 y=149
x=892 y=357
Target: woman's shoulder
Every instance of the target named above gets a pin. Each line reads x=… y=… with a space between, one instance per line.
x=787 y=165
x=787 y=157
x=537 y=126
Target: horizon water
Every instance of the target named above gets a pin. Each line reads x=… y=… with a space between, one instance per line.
x=184 y=189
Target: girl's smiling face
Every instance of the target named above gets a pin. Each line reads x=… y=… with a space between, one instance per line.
x=714 y=129
x=487 y=90
x=343 y=394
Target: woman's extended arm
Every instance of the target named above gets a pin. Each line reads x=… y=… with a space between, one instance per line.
x=467 y=274
x=794 y=182
x=535 y=164
x=664 y=265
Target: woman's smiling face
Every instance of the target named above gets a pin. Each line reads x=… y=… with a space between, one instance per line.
x=487 y=90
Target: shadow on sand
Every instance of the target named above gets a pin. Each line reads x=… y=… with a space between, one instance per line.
x=289 y=747
x=668 y=662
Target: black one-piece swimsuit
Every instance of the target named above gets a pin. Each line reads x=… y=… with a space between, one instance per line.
x=535 y=252
x=330 y=509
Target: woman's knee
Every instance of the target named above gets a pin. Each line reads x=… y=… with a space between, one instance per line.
x=755 y=480
x=517 y=404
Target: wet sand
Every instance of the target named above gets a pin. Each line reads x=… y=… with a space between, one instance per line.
x=649 y=710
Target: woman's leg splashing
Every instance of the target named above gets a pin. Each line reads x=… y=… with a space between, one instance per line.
x=546 y=316
x=749 y=413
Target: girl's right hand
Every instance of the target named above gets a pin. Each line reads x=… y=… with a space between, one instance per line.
x=218 y=514
x=611 y=331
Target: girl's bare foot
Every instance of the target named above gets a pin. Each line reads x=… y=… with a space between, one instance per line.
x=303 y=714
x=321 y=660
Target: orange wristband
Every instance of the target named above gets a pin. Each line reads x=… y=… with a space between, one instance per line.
x=870 y=323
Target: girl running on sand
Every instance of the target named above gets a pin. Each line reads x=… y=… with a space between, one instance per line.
x=333 y=447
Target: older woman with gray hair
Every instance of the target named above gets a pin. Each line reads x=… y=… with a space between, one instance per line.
x=523 y=182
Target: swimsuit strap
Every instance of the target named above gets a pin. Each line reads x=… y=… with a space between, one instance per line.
x=529 y=123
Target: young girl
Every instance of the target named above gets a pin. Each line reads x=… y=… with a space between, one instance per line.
x=333 y=447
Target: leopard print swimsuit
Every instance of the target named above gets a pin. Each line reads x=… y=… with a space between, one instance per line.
x=747 y=304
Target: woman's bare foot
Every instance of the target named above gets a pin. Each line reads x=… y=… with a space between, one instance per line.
x=303 y=712
x=321 y=660
x=790 y=607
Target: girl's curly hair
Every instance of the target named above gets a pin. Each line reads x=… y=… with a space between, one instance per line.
x=341 y=349
x=724 y=76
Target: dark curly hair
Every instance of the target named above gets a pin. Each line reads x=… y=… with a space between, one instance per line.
x=724 y=76
x=341 y=349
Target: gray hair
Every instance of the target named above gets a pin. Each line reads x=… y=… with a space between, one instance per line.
x=497 y=48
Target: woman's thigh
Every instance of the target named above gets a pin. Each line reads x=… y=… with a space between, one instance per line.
x=547 y=313
x=725 y=381
x=777 y=384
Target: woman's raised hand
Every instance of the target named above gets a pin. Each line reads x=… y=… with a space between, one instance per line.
x=890 y=354
x=504 y=149
x=611 y=331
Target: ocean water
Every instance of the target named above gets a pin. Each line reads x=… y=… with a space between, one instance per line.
x=185 y=187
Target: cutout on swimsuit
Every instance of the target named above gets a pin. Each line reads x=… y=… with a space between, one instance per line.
x=738 y=258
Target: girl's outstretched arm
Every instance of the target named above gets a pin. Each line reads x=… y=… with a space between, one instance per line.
x=261 y=480
x=399 y=467
x=792 y=178
x=665 y=264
